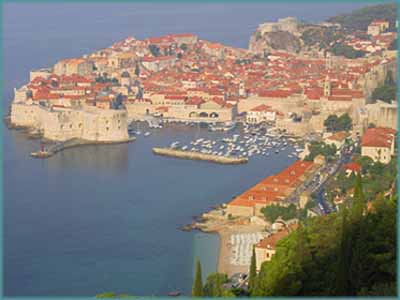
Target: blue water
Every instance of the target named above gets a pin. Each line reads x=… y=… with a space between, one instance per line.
x=105 y=218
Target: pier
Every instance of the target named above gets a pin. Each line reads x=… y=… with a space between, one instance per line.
x=75 y=142
x=228 y=160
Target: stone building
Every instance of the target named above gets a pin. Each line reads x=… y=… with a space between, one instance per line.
x=71 y=66
x=379 y=144
x=383 y=114
x=266 y=248
x=60 y=123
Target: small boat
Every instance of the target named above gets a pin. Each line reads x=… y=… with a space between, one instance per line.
x=174 y=294
x=147 y=133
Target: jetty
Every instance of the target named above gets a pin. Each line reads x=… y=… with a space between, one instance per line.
x=74 y=142
x=227 y=160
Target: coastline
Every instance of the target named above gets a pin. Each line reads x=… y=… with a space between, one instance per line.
x=225 y=228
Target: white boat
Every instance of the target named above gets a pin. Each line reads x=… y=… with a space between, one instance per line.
x=147 y=133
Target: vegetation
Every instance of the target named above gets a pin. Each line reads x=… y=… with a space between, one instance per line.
x=348 y=253
x=137 y=69
x=273 y=212
x=104 y=79
x=197 y=290
x=214 y=286
x=253 y=273
x=360 y=19
x=317 y=148
x=322 y=37
x=386 y=92
x=334 y=123
x=340 y=49
x=183 y=46
x=393 y=45
x=154 y=50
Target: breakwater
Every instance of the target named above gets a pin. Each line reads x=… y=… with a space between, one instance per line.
x=228 y=160
x=75 y=142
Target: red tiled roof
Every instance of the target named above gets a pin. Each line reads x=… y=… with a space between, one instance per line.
x=378 y=137
x=354 y=167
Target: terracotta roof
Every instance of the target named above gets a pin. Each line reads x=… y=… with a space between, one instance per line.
x=271 y=241
x=378 y=137
x=353 y=166
x=262 y=108
x=273 y=188
x=338 y=136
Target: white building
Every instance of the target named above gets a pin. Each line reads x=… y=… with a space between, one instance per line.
x=261 y=113
x=378 y=144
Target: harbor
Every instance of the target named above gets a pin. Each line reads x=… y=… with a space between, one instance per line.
x=238 y=144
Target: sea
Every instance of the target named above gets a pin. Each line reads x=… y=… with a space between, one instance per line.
x=106 y=218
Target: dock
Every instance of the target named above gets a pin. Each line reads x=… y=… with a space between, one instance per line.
x=75 y=142
x=227 y=160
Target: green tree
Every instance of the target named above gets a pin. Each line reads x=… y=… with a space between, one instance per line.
x=340 y=49
x=334 y=123
x=137 y=70
x=154 y=50
x=213 y=285
x=358 y=206
x=197 y=290
x=253 y=273
x=345 y=122
x=342 y=277
x=331 y=123
x=183 y=46
x=316 y=148
x=386 y=92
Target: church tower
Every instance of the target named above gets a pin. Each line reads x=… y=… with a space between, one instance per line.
x=327 y=87
x=328 y=61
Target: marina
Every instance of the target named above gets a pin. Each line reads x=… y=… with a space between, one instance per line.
x=243 y=141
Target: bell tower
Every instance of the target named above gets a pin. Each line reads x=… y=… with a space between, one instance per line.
x=327 y=86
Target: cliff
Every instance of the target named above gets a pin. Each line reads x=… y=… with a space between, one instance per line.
x=292 y=36
x=279 y=40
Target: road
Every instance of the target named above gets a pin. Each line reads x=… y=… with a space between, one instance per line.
x=316 y=184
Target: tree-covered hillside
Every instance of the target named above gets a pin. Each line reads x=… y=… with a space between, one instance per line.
x=350 y=253
x=360 y=19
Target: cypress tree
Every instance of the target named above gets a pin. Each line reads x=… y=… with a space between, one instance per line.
x=357 y=236
x=137 y=70
x=358 y=200
x=253 y=273
x=342 y=274
x=197 y=290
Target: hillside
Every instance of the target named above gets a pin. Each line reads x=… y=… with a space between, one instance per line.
x=351 y=252
x=360 y=19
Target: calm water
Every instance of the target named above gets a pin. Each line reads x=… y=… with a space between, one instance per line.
x=105 y=218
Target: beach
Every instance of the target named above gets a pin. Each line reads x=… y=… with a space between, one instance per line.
x=225 y=229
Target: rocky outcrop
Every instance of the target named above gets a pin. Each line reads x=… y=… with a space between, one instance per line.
x=276 y=40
